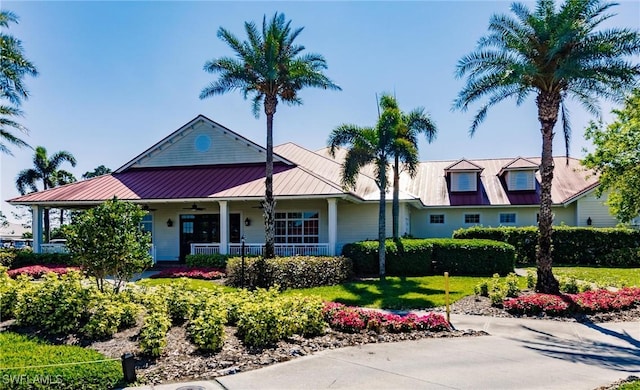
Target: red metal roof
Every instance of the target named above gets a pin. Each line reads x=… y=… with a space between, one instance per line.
x=185 y=183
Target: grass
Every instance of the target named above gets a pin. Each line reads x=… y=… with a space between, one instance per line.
x=19 y=353
x=192 y=284
x=635 y=385
x=602 y=277
x=396 y=292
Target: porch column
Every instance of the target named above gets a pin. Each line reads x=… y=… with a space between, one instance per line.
x=224 y=227
x=36 y=227
x=333 y=225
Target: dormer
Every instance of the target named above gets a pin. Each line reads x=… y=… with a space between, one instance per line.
x=462 y=176
x=519 y=175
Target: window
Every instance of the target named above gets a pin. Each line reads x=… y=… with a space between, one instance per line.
x=507 y=217
x=436 y=218
x=297 y=227
x=521 y=181
x=472 y=218
x=147 y=223
x=463 y=181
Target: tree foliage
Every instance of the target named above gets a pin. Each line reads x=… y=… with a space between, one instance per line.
x=270 y=67
x=617 y=159
x=108 y=241
x=14 y=66
x=98 y=171
x=554 y=52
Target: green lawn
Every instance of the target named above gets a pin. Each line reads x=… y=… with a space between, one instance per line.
x=191 y=283
x=28 y=363
x=602 y=277
x=635 y=385
x=396 y=292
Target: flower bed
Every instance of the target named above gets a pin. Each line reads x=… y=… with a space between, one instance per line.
x=587 y=302
x=37 y=271
x=206 y=273
x=353 y=319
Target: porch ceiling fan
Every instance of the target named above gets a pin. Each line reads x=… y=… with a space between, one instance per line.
x=147 y=208
x=194 y=207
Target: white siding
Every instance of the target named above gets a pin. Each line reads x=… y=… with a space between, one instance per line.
x=589 y=206
x=357 y=222
x=202 y=145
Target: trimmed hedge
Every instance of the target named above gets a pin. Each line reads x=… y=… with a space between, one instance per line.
x=419 y=257
x=289 y=272
x=18 y=259
x=616 y=247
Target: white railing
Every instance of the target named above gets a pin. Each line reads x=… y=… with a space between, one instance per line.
x=53 y=248
x=203 y=248
x=281 y=249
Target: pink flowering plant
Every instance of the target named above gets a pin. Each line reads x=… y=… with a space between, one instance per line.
x=353 y=320
x=586 y=302
x=206 y=273
x=37 y=271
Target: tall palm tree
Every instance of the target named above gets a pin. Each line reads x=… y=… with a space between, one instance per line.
x=13 y=68
x=372 y=145
x=555 y=53
x=45 y=169
x=270 y=67
x=405 y=149
x=61 y=178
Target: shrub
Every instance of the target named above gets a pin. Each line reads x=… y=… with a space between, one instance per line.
x=107 y=240
x=472 y=257
x=108 y=314
x=20 y=351
x=497 y=290
x=289 y=272
x=261 y=323
x=617 y=247
x=57 y=305
x=153 y=335
x=407 y=257
x=206 y=329
x=7 y=256
x=37 y=271
x=209 y=261
x=28 y=258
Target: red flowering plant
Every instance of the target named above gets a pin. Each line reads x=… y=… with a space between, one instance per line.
x=206 y=273
x=37 y=271
x=353 y=320
x=585 y=302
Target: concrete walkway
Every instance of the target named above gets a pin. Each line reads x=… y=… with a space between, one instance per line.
x=518 y=354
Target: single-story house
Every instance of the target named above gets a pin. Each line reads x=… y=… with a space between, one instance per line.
x=203 y=183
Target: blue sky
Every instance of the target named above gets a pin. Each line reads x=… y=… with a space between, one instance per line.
x=116 y=77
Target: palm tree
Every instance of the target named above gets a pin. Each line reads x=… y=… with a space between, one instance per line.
x=555 y=53
x=45 y=169
x=61 y=178
x=375 y=145
x=269 y=67
x=13 y=68
x=405 y=150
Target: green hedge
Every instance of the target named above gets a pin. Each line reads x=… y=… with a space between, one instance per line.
x=25 y=258
x=417 y=257
x=617 y=247
x=289 y=272
x=202 y=260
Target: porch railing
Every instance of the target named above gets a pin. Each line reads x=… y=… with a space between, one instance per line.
x=281 y=249
x=53 y=248
x=204 y=248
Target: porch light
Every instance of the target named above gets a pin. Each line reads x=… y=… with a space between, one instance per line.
x=169 y=222
x=589 y=221
x=247 y=222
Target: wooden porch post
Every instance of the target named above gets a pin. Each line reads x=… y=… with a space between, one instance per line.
x=333 y=225
x=224 y=227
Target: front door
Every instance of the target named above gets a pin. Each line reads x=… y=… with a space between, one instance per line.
x=205 y=228
x=198 y=228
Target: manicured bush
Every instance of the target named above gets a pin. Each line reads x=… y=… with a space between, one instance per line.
x=7 y=256
x=618 y=247
x=57 y=305
x=28 y=258
x=153 y=335
x=289 y=272
x=498 y=289
x=108 y=314
x=206 y=329
x=20 y=351
x=407 y=257
x=472 y=257
x=215 y=260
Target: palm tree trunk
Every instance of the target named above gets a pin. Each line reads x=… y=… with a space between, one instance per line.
x=269 y=203
x=395 y=210
x=381 y=221
x=548 y=105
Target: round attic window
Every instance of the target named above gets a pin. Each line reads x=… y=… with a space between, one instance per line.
x=203 y=143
